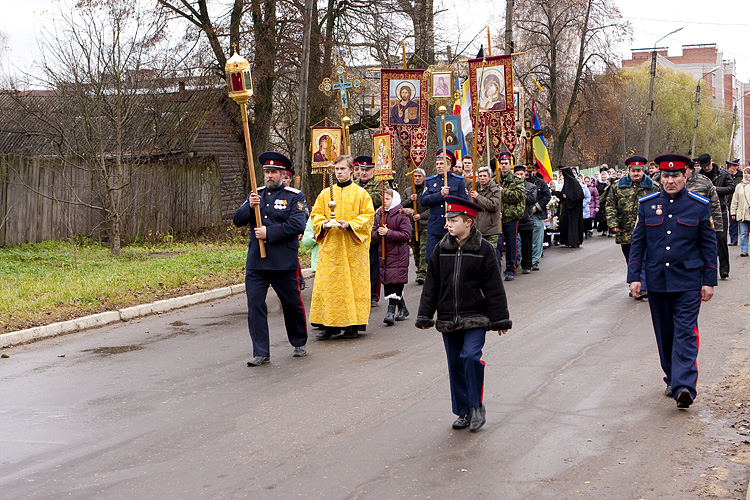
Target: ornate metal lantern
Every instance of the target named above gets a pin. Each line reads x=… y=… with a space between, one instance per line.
x=239 y=82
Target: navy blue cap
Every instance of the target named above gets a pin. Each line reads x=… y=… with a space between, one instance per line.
x=733 y=163
x=636 y=162
x=456 y=206
x=449 y=154
x=364 y=162
x=274 y=160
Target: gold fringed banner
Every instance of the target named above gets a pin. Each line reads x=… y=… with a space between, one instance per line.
x=496 y=106
x=382 y=156
x=404 y=110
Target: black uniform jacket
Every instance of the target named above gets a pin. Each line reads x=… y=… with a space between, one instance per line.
x=464 y=286
x=284 y=214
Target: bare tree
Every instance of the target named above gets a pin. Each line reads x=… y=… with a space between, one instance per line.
x=99 y=63
x=245 y=23
x=567 y=43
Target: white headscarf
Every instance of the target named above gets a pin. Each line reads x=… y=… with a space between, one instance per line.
x=396 y=200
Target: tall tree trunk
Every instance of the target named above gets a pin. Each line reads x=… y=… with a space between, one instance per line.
x=264 y=76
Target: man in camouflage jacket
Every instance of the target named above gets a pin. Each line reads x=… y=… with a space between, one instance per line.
x=513 y=206
x=622 y=204
x=699 y=183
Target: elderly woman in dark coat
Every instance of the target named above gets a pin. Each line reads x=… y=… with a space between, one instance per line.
x=393 y=228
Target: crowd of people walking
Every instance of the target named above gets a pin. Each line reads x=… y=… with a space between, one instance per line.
x=362 y=234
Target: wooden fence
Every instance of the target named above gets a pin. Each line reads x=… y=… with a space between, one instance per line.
x=41 y=198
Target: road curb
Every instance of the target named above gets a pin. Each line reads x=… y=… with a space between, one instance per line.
x=130 y=313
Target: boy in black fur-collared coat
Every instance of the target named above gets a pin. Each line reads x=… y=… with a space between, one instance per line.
x=464 y=286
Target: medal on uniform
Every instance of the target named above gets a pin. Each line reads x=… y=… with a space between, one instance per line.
x=658 y=209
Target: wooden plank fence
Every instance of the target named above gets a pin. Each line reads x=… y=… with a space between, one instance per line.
x=161 y=198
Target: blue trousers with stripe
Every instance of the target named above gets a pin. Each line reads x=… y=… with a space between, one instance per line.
x=465 y=368
x=286 y=286
x=675 y=319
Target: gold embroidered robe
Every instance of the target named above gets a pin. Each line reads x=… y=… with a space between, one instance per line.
x=341 y=294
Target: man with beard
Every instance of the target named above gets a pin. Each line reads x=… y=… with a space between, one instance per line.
x=283 y=212
x=724 y=188
x=622 y=206
x=419 y=214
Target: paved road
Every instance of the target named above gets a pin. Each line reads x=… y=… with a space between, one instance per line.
x=164 y=407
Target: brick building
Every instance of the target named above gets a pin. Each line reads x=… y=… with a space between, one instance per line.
x=726 y=91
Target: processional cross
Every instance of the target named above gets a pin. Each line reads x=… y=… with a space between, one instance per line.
x=338 y=82
x=342 y=85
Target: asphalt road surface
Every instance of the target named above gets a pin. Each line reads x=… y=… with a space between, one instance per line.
x=165 y=407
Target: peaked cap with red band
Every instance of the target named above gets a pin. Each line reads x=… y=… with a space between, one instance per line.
x=273 y=160
x=636 y=162
x=364 y=162
x=672 y=163
x=456 y=206
x=449 y=154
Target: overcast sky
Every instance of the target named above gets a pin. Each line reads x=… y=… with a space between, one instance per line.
x=723 y=22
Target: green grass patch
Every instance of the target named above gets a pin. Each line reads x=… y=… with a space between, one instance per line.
x=47 y=282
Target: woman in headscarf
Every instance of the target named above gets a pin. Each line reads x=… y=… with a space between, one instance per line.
x=571 y=209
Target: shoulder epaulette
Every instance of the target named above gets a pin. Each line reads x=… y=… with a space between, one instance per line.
x=433 y=176
x=648 y=197
x=293 y=190
x=698 y=197
x=457 y=176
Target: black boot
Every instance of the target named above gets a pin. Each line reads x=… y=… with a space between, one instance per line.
x=389 y=319
x=403 y=312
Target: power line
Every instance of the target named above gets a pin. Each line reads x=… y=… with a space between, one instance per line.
x=703 y=23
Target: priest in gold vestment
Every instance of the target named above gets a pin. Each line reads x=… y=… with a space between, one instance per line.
x=341 y=294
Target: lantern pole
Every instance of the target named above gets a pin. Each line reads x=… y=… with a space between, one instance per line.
x=251 y=172
x=241 y=89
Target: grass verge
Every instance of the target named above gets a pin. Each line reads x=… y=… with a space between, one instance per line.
x=47 y=282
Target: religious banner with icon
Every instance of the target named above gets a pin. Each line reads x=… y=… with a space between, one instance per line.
x=326 y=146
x=453 y=134
x=382 y=155
x=491 y=78
x=404 y=109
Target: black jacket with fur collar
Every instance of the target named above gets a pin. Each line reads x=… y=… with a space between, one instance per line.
x=464 y=285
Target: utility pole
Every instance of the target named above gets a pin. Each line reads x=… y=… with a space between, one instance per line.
x=651 y=92
x=695 y=120
x=731 y=140
x=697 y=103
x=650 y=103
x=299 y=149
x=509 y=26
